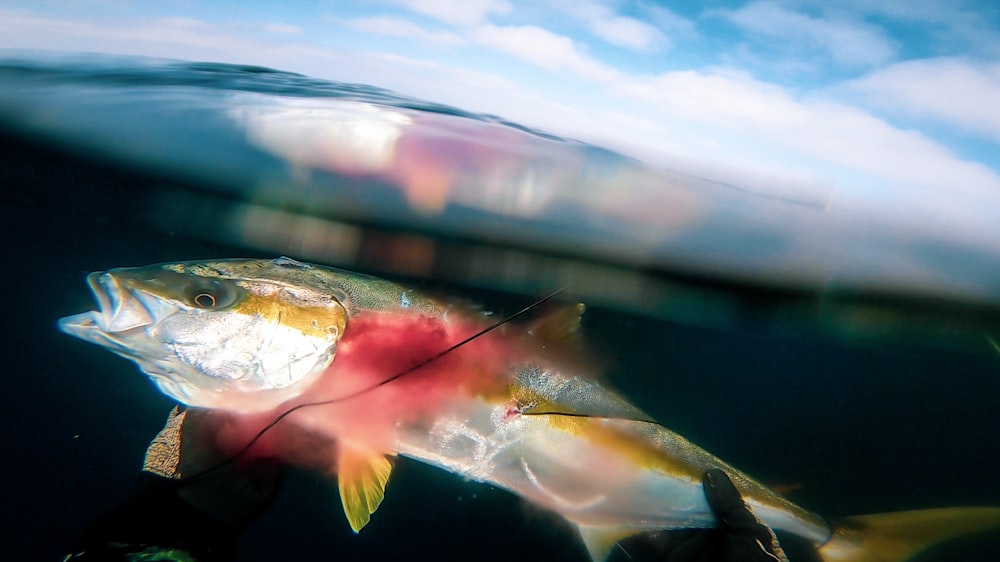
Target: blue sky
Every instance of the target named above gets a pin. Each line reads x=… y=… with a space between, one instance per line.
x=893 y=102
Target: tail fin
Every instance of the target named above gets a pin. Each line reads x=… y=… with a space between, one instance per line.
x=893 y=537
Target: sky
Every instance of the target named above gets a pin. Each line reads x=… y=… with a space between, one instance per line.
x=895 y=101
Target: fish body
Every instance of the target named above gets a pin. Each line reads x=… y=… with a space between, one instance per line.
x=361 y=359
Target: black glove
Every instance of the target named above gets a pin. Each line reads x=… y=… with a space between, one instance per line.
x=737 y=537
x=155 y=523
x=174 y=517
x=743 y=537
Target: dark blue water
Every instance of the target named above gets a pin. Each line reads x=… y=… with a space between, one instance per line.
x=867 y=396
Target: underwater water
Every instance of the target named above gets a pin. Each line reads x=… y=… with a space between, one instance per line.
x=735 y=317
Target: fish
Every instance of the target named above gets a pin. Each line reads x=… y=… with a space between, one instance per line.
x=372 y=370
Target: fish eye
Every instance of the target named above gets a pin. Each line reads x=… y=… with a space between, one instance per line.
x=204 y=300
x=211 y=295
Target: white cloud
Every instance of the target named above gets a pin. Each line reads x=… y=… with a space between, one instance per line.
x=23 y=30
x=702 y=115
x=847 y=41
x=825 y=131
x=947 y=27
x=603 y=21
x=464 y=12
x=629 y=33
x=668 y=21
x=183 y=39
x=954 y=91
x=543 y=48
x=399 y=27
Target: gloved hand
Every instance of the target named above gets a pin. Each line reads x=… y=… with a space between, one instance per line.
x=742 y=537
x=737 y=537
x=170 y=518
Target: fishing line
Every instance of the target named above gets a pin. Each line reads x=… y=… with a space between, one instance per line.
x=588 y=416
x=379 y=384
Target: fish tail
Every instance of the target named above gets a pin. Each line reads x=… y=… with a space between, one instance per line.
x=898 y=536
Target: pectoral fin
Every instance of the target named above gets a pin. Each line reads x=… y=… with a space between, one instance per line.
x=361 y=477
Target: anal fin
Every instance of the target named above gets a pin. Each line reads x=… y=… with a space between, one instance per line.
x=361 y=477
x=600 y=540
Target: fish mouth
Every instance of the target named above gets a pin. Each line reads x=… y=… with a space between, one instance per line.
x=121 y=312
x=125 y=323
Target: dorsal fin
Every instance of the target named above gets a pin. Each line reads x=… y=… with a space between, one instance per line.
x=559 y=326
x=361 y=477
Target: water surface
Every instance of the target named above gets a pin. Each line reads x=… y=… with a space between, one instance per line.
x=811 y=341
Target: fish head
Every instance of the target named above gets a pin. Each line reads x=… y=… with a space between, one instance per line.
x=242 y=335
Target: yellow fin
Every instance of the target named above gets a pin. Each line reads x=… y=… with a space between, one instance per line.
x=361 y=477
x=559 y=326
x=600 y=540
x=892 y=537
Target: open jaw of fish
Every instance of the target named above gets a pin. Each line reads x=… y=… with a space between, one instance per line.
x=507 y=408
x=121 y=320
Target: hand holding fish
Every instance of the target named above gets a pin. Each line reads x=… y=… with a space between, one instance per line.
x=738 y=536
x=352 y=368
x=745 y=538
x=170 y=517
